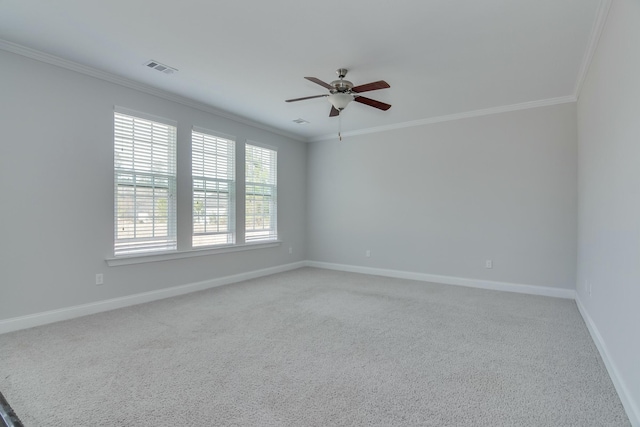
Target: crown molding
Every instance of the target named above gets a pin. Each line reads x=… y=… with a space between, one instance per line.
x=596 y=32
x=141 y=87
x=451 y=117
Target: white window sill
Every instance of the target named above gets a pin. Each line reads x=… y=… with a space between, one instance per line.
x=155 y=257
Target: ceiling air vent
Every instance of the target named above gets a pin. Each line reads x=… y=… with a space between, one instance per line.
x=160 y=67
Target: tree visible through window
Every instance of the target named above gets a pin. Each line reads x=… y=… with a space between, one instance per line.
x=145 y=184
x=260 y=193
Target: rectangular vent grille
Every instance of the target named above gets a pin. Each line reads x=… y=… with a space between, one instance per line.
x=161 y=67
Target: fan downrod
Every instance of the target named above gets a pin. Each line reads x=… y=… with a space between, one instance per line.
x=341 y=85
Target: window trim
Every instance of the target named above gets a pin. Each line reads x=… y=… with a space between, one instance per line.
x=232 y=190
x=191 y=253
x=172 y=186
x=274 y=188
x=145 y=116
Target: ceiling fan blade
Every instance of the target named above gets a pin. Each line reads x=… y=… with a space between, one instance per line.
x=320 y=82
x=372 y=103
x=381 y=84
x=306 y=97
x=334 y=112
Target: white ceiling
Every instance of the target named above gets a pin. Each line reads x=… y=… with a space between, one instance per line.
x=441 y=57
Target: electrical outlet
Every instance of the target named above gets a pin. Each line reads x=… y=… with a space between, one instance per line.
x=367 y=253
x=99 y=279
x=290 y=250
x=488 y=264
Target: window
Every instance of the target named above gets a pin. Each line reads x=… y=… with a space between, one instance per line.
x=261 y=193
x=213 y=175
x=145 y=182
x=145 y=185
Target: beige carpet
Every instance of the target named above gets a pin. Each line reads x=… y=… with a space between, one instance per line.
x=315 y=347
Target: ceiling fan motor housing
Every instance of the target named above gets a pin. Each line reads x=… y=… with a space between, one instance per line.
x=341 y=86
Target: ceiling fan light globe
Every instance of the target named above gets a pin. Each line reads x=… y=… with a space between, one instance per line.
x=340 y=100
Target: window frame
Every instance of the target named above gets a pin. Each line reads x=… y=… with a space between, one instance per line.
x=269 y=188
x=230 y=181
x=149 y=172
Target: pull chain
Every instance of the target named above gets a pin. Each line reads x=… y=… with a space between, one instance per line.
x=340 y=126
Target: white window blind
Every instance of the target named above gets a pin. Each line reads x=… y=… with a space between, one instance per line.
x=145 y=185
x=261 y=193
x=213 y=174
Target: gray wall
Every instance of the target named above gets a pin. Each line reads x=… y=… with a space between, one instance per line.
x=56 y=182
x=436 y=199
x=443 y=198
x=609 y=195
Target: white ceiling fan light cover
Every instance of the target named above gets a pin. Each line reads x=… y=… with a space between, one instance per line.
x=340 y=100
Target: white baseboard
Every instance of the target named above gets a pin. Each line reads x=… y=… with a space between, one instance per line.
x=450 y=280
x=630 y=406
x=37 y=319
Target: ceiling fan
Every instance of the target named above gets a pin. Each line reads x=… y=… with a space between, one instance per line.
x=342 y=92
